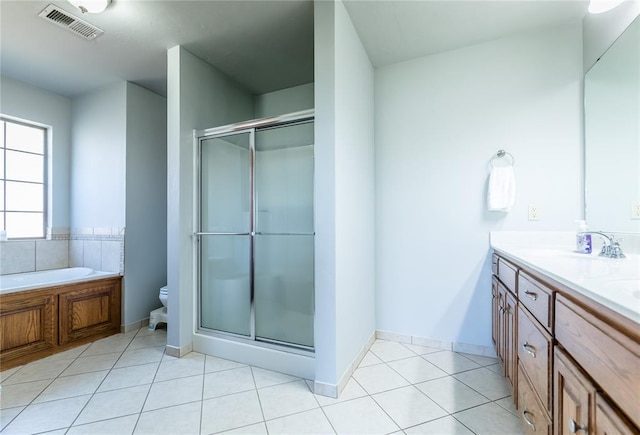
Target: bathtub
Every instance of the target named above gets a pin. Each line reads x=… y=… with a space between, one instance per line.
x=47 y=278
x=45 y=312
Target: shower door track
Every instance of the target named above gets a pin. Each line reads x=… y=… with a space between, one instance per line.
x=249 y=127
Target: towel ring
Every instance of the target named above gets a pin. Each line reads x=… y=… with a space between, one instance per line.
x=503 y=154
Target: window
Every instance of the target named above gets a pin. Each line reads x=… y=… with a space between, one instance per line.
x=22 y=179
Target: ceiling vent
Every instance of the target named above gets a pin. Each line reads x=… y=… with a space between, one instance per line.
x=62 y=18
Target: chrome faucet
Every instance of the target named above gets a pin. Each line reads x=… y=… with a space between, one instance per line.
x=611 y=247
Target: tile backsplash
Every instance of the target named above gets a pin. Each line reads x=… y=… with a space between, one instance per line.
x=100 y=248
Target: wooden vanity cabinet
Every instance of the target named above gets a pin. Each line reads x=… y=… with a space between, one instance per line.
x=577 y=362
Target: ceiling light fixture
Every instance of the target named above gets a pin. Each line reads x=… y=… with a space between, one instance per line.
x=91 y=6
x=599 y=6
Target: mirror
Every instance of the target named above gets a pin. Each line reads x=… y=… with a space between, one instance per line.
x=612 y=136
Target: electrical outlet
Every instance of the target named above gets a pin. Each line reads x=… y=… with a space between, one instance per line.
x=534 y=213
x=635 y=210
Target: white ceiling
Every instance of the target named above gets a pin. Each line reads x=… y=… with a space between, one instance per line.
x=264 y=44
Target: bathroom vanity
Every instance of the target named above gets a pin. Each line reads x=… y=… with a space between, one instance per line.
x=566 y=330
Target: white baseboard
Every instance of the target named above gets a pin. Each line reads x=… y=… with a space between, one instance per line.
x=134 y=326
x=331 y=390
x=472 y=349
x=178 y=352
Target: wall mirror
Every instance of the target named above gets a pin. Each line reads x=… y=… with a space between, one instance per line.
x=612 y=136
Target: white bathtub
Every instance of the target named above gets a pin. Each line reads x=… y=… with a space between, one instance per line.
x=47 y=278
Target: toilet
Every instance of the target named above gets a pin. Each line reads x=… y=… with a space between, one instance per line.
x=159 y=315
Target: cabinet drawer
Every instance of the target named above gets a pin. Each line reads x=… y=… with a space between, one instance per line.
x=534 y=419
x=608 y=356
x=534 y=353
x=494 y=264
x=507 y=273
x=537 y=298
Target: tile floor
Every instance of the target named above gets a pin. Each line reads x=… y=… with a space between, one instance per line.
x=126 y=384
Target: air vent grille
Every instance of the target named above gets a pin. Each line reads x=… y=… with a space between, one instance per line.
x=74 y=24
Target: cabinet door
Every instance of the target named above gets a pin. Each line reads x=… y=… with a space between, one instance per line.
x=609 y=421
x=27 y=325
x=495 y=311
x=510 y=342
x=574 y=397
x=90 y=311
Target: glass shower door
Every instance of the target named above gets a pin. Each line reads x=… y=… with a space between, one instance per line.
x=225 y=233
x=284 y=237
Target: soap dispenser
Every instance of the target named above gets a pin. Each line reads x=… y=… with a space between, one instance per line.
x=583 y=241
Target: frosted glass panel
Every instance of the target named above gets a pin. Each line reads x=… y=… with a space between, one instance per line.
x=284 y=296
x=284 y=179
x=225 y=179
x=225 y=283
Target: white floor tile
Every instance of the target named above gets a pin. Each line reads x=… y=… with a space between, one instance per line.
x=47 y=416
x=94 y=363
x=369 y=360
x=5 y=374
x=507 y=403
x=146 y=341
x=71 y=386
x=120 y=426
x=252 y=429
x=140 y=356
x=445 y=425
x=21 y=394
x=66 y=355
x=7 y=415
x=352 y=390
x=450 y=362
x=390 y=350
x=359 y=416
x=308 y=422
x=129 y=377
x=174 y=392
x=230 y=412
x=481 y=360
x=38 y=371
x=416 y=369
x=111 y=404
x=267 y=378
x=421 y=350
x=286 y=399
x=451 y=394
x=490 y=419
x=378 y=378
x=496 y=368
x=215 y=364
x=172 y=368
x=408 y=406
x=232 y=381
x=485 y=382
x=182 y=419
x=114 y=343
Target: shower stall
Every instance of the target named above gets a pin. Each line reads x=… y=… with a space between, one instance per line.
x=255 y=232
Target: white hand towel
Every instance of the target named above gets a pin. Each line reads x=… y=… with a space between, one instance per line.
x=502 y=189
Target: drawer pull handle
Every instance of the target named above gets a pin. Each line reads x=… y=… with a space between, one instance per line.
x=526 y=419
x=529 y=349
x=532 y=295
x=575 y=427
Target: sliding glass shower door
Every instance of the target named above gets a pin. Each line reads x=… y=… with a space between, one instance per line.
x=256 y=234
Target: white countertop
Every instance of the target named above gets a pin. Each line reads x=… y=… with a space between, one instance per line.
x=614 y=283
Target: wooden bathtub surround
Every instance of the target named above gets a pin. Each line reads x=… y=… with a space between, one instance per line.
x=40 y=322
x=577 y=361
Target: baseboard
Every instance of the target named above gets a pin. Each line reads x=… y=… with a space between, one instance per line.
x=178 y=352
x=134 y=326
x=472 y=349
x=331 y=390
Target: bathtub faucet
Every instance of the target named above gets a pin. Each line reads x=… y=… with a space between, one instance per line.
x=611 y=247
